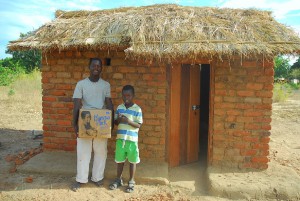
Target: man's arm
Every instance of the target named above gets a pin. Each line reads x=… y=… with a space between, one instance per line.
x=110 y=106
x=77 y=104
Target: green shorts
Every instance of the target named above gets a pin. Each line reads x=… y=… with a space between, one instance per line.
x=129 y=150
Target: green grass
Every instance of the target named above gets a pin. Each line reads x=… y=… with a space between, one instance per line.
x=282 y=92
x=25 y=91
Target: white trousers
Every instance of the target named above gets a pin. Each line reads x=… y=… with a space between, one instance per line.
x=84 y=151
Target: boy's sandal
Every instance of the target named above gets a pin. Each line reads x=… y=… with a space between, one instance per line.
x=116 y=183
x=130 y=187
x=75 y=186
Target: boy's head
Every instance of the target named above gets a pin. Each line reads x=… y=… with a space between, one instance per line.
x=128 y=94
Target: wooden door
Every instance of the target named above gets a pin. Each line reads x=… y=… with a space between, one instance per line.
x=194 y=115
x=184 y=120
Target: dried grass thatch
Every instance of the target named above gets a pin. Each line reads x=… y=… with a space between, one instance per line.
x=166 y=32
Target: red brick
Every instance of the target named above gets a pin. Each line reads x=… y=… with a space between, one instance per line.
x=48 y=134
x=58 y=105
x=220 y=92
x=63 y=86
x=58 y=140
x=250 y=139
x=69 y=148
x=262 y=119
x=46 y=105
x=252 y=126
x=240 y=133
x=152 y=122
x=233 y=112
x=249 y=64
x=254 y=72
x=266 y=127
x=243 y=106
x=269 y=86
x=230 y=119
x=57 y=93
x=262 y=146
x=45 y=80
x=254 y=86
x=49 y=98
x=251 y=152
x=52 y=146
x=72 y=142
x=64 y=122
x=253 y=113
x=260 y=159
x=151 y=140
x=269 y=71
x=161 y=91
x=219 y=85
x=63 y=111
x=48 y=74
x=218 y=99
x=244 y=119
x=63 y=74
x=224 y=105
x=245 y=93
x=264 y=94
x=232 y=93
x=265 y=139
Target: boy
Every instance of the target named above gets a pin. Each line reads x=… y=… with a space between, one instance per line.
x=129 y=118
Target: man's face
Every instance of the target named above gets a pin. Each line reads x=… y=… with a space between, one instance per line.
x=95 y=68
x=127 y=96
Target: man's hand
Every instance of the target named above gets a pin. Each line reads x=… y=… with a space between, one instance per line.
x=76 y=130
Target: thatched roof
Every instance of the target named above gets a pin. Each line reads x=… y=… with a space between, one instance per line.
x=166 y=31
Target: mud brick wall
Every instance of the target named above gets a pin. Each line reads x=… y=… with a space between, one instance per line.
x=62 y=70
x=242 y=103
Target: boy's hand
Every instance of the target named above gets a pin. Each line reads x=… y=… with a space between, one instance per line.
x=122 y=119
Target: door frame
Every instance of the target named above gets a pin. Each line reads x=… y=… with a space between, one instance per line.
x=173 y=137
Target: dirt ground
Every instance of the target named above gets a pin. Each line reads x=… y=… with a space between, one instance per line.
x=16 y=135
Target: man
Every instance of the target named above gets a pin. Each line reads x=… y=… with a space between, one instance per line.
x=92 y=93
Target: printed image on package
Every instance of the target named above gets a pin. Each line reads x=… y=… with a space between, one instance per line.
x=95 y=123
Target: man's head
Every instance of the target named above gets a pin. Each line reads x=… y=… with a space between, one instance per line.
x=128 y=94
x=95 y=66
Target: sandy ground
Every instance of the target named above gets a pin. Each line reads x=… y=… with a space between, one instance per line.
x=16 y=125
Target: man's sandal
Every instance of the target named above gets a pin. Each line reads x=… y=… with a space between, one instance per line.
x=99 y=183
x=75 y=186
x=130 y=187
x=116 y=183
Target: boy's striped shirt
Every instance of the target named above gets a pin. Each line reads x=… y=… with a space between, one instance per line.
x=125 y=131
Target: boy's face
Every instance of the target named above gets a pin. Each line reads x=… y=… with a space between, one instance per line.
x=127 y=97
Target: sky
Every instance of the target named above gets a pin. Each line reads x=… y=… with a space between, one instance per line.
x=19 y=16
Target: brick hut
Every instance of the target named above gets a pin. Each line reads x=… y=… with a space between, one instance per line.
x=203 y=77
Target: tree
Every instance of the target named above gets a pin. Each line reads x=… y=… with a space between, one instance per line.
x=29 y=59
x=295 y=74
x=282 y=67
x=296 y=65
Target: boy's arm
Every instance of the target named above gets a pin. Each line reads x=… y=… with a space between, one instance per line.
x=77 y=104
x=124 y=119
